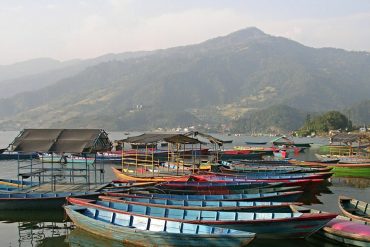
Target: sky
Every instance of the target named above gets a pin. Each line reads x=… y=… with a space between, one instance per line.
x=71 y=29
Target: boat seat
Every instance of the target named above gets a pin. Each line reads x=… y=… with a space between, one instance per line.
x=140 y=222
x=157 y=225
x=173 y=227
x=122 y=220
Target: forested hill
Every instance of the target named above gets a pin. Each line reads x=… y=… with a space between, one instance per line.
x=225 y=77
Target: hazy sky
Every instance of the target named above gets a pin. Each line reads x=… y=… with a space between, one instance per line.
x=67 y=29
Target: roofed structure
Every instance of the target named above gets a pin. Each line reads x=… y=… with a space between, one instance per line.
x=154 y=138
x=210 y=138
x=349 y=138
x=61 y=140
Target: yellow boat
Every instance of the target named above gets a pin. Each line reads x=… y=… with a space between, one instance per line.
x=123 y=177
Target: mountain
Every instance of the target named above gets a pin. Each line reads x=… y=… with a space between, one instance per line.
x=231 y=75
x=359 y=113
x=274 y=119
x=38 y=73
x=26 y=68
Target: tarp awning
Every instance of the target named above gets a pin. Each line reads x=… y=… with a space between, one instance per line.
x=61 y=140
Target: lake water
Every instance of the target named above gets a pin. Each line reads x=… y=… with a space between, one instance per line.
x=50 y=228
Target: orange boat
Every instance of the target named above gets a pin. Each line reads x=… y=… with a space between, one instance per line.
x=123 y=177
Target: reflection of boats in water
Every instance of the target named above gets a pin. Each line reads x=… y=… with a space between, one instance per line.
x=79 y=238
x=41 y=233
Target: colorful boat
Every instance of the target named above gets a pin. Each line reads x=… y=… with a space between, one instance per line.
x=213 y=186
x=343 y=230
x=152 y=231
x=349 y=233
x=274 y=177
x=10 y=155
x=271 y=207
x=265 y=225
x=224 y=191
x=11 y=185
x=123 y=177
x=283 y=140
x=289 y=196
x=354 y=209
x=32 y=200
x=272 y=170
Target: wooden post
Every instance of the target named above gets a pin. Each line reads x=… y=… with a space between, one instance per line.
x=136 y=160
x=153 y=161
x=122 y=156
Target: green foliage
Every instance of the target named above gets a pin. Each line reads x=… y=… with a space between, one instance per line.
x=360 y=113
x=332 y=120
x=246 y=69
x=279 y=118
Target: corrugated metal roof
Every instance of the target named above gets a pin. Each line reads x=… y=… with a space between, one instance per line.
x=153 y=138
x=61 y=140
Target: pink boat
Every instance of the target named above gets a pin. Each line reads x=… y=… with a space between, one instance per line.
x=341 y=229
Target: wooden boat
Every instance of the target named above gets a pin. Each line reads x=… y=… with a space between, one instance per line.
x=283 y=140
x=344 y=170
x=123 y=177
x=31 y=200
x=354 y=209
x=271 y=207
x=223 y=191
x=152 y=231
x=10 y=155
x=303 y=183
x=268 y=170
x=255 y=143
x=239 y=154
x=276 y=177
x=214 y=186
x=289 y=196
x=343 y=230
x=349 y=233
x=265 y=225
x=11 y=185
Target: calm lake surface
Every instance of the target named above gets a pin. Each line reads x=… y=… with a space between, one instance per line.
x=45 y=228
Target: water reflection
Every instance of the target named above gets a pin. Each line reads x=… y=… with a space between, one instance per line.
x=360 y=183
x=82 y=238
x=36 y=228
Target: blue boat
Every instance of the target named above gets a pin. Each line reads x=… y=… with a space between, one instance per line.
x=10 y=155
x=272 y=207
x=12 y=185
x=265 y=225
x=147 y=231
x=290 y=196
x=32 y=200
x=224 y=191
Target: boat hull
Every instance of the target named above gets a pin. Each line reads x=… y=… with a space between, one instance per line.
x=25 y=201
x=137 y=237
